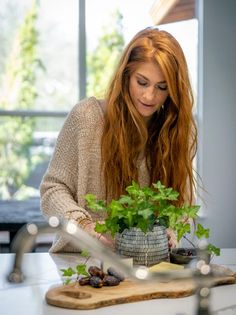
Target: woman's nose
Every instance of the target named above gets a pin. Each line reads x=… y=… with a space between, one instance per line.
x=149 y=93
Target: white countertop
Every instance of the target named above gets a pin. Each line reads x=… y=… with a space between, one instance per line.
x=41 y=270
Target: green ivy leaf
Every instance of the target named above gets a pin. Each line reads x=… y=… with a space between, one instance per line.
x=81 y=270
x=145 y=213
x=129 y=218
x=68 y=272
x=172 y=220
x=67 y=281
x=182 y=229
x=191 y=211
x=114 y=227
x=84 y=253
x=164 y=221
x=201 y=232
x=213 y=249
x=126 y=200
x=142 y=225
x=100 y=228
x=116 y=208
x=134 y=189
x=94 y=204
x=165 y=193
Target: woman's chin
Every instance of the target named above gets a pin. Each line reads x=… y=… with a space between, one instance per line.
x=146 y=116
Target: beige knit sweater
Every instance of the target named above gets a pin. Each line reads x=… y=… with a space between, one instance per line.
x=74 y=169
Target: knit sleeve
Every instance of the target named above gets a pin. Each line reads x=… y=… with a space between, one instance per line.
x=59 y=187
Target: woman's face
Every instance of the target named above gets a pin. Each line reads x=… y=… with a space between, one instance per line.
x=148 y=89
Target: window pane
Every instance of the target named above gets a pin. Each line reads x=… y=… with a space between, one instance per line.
x=58 y=48
x=38 y=63
x=186 y=32
x=38 y=57
x=107 y=34
x=26 y=147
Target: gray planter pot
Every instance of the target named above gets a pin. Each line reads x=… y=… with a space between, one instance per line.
x=145 y=248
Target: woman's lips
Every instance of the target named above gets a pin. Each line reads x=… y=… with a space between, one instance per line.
x=147 y=105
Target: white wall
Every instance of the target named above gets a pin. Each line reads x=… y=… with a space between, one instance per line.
x=217 y=117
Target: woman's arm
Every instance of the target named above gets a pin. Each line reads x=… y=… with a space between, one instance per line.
x=60 y=186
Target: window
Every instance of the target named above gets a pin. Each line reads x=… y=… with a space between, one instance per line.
x=38 y=86
x=41 y=77
x=39 y=80
x=186 y=32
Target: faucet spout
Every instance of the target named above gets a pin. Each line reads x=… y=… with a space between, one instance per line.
x=25 y=240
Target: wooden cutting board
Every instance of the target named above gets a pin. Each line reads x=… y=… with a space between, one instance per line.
x=74 y=296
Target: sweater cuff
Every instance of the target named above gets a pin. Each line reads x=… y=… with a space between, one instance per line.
x=80 y=217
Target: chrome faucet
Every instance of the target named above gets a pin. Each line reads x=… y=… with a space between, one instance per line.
x=25 y=240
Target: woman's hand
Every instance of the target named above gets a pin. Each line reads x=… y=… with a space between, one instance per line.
x=172 y=239
x=90 y=228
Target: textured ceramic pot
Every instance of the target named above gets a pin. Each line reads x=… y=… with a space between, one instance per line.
x=145 y=248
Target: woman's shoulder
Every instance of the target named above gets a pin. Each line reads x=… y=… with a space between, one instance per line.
x=89 y=109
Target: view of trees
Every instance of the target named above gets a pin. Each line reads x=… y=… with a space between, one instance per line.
x=102 y=61
x=19 y=90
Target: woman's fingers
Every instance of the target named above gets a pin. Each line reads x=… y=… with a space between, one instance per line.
x=90 y=228
x=172 y=240
x=106 y=241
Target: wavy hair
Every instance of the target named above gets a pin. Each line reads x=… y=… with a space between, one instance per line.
x=169 y=142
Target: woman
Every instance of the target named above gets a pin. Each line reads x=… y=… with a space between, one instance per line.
x=144 y=131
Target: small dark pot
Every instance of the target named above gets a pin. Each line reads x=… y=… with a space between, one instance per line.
x=145 y=248
x=183 y=256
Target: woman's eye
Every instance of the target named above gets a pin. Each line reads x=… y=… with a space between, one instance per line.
x=162 y=88
x=142 y=83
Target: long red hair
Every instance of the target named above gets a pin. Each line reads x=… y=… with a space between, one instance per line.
x=170 y=141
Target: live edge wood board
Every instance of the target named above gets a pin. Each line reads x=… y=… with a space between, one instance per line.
x=74 y=296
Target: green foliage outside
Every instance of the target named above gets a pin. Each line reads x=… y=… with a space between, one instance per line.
x=18 y=92
x=102 y=61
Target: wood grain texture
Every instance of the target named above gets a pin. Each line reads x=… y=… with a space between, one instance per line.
x=74 y=296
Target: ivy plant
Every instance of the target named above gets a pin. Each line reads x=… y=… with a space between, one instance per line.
x=78 y=270
x=143 y=207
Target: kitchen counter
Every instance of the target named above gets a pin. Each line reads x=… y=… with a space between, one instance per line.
x=42 y=273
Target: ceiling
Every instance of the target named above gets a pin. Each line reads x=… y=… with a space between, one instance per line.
x=168 y=11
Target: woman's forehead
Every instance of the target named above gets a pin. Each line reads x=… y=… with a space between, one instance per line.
x=150 y=71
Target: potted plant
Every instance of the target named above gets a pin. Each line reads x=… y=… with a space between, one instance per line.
x=139 y=219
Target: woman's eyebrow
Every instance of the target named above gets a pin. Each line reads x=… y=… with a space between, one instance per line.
x=141 y=75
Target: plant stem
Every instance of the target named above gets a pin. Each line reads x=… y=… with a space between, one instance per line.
x=87 y=258
x=189 y=241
